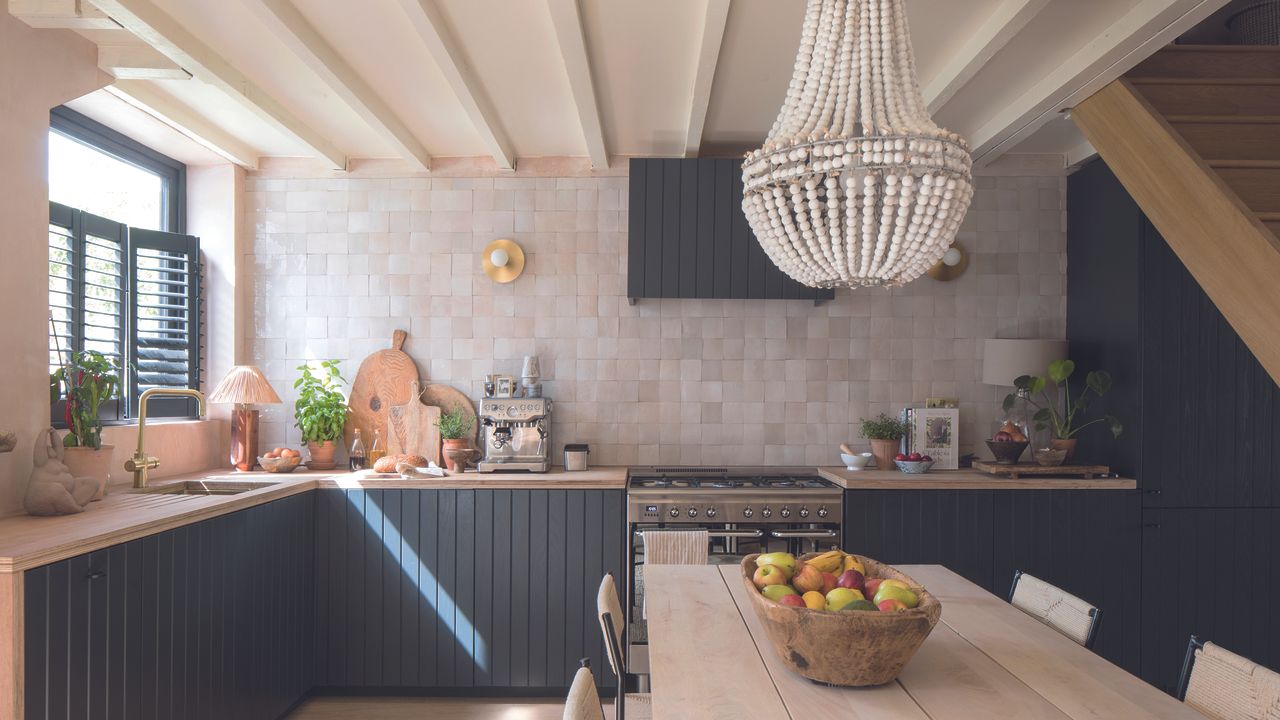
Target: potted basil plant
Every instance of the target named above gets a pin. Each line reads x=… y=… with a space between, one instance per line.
x=87 y=381
x=320 y=412
x=885 y=434
x=1056 y=408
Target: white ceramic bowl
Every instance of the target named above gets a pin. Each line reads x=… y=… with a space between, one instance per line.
x=855 y=462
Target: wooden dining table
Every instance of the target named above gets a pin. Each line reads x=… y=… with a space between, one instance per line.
x=709 y=658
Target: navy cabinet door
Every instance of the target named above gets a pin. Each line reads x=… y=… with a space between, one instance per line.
x=1085 y=542
x=453 y=591
x=944 y=527
x=209 y=620
x=1211 y=572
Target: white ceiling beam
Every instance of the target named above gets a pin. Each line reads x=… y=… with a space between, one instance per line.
x=1146 y=27
x=61 y=14
x=144 y=96
x=571 y=36
x=138 y=62
x=1005 y=22
x=144 y=19
x=713 y=22
x=426 y=19
x=291 y=27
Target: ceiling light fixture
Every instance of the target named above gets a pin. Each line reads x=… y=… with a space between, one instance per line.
x=856 y=185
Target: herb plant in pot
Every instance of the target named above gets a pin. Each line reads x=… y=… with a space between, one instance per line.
x=455 y=426
x=885 y=434
x=87 y=381
x=320 y=412
x=1057 y=410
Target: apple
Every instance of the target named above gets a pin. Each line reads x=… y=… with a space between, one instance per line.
x=852 y=579
x=915 y=457
x=814 y=600
x=871 y=585
x=792 y=601
x=891 y=582
x=1003 y=436
x=891 y=605
x=829 y=582
x=926 y=458
x=769 y=575
x=859 y=605
x=783 y=560
x=900 y=456
x=807 y=578
x=777 y=592
x=838 y=598
x=893 y=592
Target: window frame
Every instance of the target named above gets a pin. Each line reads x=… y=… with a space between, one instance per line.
x=173 y=174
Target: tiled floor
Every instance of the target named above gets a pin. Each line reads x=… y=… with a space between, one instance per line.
x=434 y=708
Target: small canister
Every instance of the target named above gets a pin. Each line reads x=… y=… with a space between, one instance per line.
x=575 y=457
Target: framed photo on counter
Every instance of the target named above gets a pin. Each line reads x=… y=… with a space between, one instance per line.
x=935 y=432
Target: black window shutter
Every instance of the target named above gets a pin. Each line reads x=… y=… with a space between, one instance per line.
x=164 y=310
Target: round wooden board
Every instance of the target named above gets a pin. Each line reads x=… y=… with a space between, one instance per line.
x=385 y=378
x=447 y=398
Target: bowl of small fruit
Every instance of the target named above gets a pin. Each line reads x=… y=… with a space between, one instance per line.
x=1008 y=444
x=913 y=463
x=839 y=618
x=281 y=460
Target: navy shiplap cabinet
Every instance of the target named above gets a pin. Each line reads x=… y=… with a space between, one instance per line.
x=457 y=591
x=210 y=620
x=688 y=237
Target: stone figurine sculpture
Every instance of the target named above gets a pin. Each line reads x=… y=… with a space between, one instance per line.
x=53 y=490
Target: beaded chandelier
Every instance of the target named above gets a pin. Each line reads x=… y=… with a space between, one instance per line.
x=856 y=185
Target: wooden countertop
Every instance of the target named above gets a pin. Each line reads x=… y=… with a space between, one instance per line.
x=963 y=480
x=984 y=659
x=126 y=514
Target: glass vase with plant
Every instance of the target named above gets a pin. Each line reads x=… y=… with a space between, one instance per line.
x=87 y=381
x=320 y=413
x=885 y=434
x=1057 y=410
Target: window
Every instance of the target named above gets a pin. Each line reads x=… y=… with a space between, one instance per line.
x=123 y=281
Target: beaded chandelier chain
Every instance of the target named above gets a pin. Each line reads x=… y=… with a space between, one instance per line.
x=856 y=185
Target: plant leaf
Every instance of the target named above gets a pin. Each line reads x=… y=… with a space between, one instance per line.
x=1099 y=381
x=1060 y=370
x=1043 y=415
x=1009 y=401
x=1036 y=385
x=1116 y=427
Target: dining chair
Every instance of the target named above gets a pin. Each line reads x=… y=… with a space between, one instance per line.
x=609 y=610
x=1221 y=685
x=1056 y=608
x=583 y=702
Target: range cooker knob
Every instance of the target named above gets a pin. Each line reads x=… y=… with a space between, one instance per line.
x=747 y=512
x=785 y=512
x=693 y=512
x=675 y=512
x=711 y=512
x=804 y=512
x=823 y=512
x=766 y=512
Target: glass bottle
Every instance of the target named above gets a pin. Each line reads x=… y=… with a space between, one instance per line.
x=356 y=457
x=377 y=450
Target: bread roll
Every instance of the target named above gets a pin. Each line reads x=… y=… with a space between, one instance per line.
x=387 y=463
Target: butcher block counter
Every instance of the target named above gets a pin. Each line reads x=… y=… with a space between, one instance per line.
x=963 y=480
x=126 y=514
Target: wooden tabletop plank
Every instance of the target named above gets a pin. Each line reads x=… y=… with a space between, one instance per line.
x=963 y=480
x=697 y=643
x=807 y=699
x=1076 y=680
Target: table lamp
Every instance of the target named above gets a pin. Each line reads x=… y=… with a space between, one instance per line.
x=244 y=385
x=1005 y=360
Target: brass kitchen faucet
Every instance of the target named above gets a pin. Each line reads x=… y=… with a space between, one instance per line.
x=139 y=464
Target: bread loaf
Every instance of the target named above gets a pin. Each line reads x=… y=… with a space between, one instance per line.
x=387 y=463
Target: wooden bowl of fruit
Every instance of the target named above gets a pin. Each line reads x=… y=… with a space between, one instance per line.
x=818 y=618
x=280 y=460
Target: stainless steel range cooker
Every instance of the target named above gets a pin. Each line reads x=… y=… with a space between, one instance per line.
x=743 y=509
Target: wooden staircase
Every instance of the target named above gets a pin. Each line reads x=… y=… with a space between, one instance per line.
x=1193 y=133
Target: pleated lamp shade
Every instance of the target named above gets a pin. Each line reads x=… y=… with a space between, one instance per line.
x=246 y=385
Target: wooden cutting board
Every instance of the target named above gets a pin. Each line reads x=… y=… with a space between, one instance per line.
x=446 y=398
x=414 y=428
x=384 y=379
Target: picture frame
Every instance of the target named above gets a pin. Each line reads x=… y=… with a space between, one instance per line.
x=935 y=432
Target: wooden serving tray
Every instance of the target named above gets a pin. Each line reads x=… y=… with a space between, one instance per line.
x=1015 y=471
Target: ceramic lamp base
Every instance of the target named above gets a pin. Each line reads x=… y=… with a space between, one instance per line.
x=244 y=439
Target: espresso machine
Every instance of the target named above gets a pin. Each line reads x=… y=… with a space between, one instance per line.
x=516 y=433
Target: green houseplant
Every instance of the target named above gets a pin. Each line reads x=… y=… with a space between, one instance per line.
x=87 y=381
x=454 y=427
x=320 y=412
x=1056 y=409
x=885 y=434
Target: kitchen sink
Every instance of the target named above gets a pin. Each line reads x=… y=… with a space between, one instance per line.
x=207 y=487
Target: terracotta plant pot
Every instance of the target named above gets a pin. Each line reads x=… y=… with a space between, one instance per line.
x=321 y=455
x=1069 y=445
x=884 y=450
x=456 y=454
x=88 y=462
